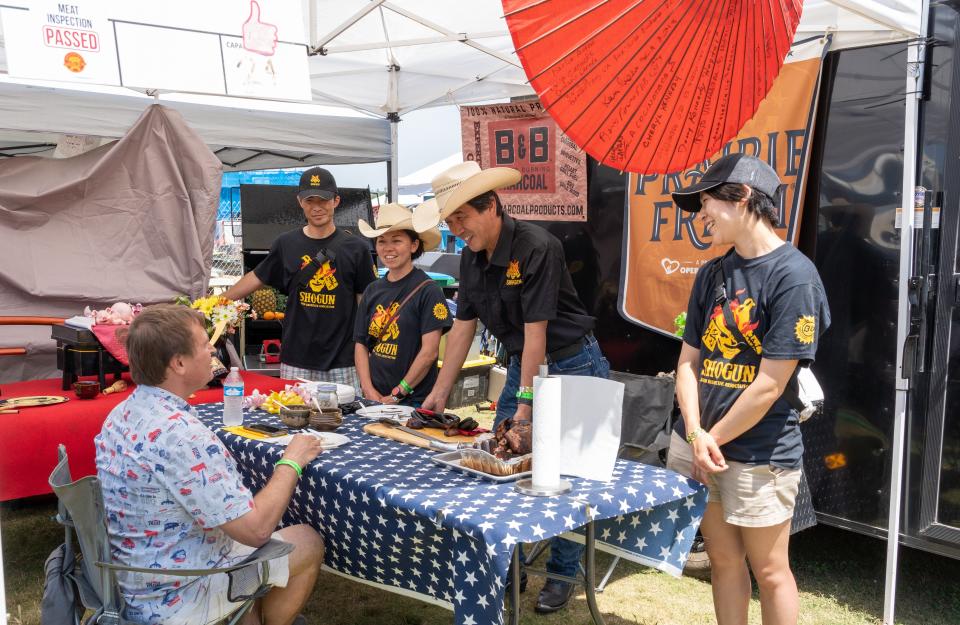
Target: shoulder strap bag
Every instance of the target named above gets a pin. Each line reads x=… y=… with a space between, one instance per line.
x=396 y=315
x=310 y=268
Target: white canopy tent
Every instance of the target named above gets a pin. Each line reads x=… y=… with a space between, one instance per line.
x=425 y=174
x=384 y=58
x=245 y=134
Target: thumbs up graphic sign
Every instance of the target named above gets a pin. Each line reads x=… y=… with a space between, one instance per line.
x=258 y=36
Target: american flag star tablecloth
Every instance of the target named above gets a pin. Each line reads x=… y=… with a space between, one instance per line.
x=393 y=518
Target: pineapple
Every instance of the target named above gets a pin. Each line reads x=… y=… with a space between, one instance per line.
x=263 y=300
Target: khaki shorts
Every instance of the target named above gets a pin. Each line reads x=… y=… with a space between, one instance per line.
x=752 y=495
x=212 y=606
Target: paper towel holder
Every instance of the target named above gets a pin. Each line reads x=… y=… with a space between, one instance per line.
x=526 y=487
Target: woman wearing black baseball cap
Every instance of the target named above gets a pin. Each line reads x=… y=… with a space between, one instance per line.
x=754 y=316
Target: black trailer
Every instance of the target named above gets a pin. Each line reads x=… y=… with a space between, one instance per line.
x=849 y=228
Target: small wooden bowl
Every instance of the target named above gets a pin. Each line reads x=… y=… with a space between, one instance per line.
x=296 y=416
x=326 y=420
x=86 y=389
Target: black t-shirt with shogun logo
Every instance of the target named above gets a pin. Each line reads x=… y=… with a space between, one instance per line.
x=391 y=357
x=777 y=301
x=318 y=321
x=526 y=280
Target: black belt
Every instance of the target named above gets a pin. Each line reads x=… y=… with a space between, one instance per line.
x=570 y=350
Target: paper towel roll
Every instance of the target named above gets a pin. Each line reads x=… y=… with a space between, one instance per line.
x=546 y=432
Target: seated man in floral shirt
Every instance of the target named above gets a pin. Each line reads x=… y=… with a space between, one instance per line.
x=173 y=495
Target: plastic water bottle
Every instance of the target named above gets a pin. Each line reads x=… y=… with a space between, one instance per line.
x=233 y=398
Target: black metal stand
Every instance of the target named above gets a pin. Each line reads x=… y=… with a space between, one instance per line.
x=72 y=344
x=588 y=581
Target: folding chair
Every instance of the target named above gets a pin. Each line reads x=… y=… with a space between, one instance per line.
x=80 y=510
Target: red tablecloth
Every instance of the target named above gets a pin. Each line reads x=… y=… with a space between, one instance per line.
x=28 y=440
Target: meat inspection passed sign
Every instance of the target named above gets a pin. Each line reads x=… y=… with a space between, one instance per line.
x=228 y=47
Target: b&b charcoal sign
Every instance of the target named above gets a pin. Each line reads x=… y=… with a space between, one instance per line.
x=553 y=183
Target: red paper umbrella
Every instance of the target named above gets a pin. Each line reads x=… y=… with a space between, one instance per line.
x=652 y=86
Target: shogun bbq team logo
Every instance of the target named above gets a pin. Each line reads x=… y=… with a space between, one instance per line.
x=379 y=328
x=440 y=311
x=805 y=329
x=513 y=273
x=323 y=279
x=719 y=337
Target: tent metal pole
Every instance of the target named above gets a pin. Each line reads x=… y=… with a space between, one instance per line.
x=393 y=170
x=319 y=46
x=506 y=58
x=311 y=7
x=914 y=87
x=412 y=42
x=3 y=599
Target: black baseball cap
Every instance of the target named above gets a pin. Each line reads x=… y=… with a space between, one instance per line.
x=735 y=168
x=319 y=182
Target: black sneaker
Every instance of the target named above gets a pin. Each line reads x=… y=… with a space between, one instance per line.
x=554 y=596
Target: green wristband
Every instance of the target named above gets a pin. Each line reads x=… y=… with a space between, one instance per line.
x=290 y=463
x=525 y=395
x=405 y=386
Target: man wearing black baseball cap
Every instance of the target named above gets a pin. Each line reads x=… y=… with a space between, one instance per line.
x=323 y=271
x=317 y=182
x=755 y=315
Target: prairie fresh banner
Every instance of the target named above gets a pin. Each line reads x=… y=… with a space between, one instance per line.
x=253 y=48
x=664 y=247
x=521 y=135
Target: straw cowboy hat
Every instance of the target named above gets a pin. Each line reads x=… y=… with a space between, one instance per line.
x=393 y=217
x=455 y=186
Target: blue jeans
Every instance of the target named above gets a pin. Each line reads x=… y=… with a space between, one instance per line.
x=564 y=554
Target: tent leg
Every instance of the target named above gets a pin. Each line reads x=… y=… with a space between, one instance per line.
x=393 y=173
x=914 y=87
x=3 y=599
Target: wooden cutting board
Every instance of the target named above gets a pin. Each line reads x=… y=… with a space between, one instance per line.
x=32 y=401
x=385 y=431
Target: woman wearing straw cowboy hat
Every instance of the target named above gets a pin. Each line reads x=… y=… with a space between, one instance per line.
x=401 y=315
x=514 y=279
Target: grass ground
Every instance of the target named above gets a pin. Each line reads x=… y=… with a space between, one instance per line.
x=840 y=575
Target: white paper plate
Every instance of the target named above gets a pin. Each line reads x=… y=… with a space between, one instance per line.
x=393 y=411
x=329 y=440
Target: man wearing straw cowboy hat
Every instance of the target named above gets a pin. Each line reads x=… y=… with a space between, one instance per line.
x=323 y=270
x=514 y=279
x=401 y=315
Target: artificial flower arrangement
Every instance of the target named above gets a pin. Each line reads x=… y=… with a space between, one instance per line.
x=119 y=314
x=292 y=395
x=218 y=311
